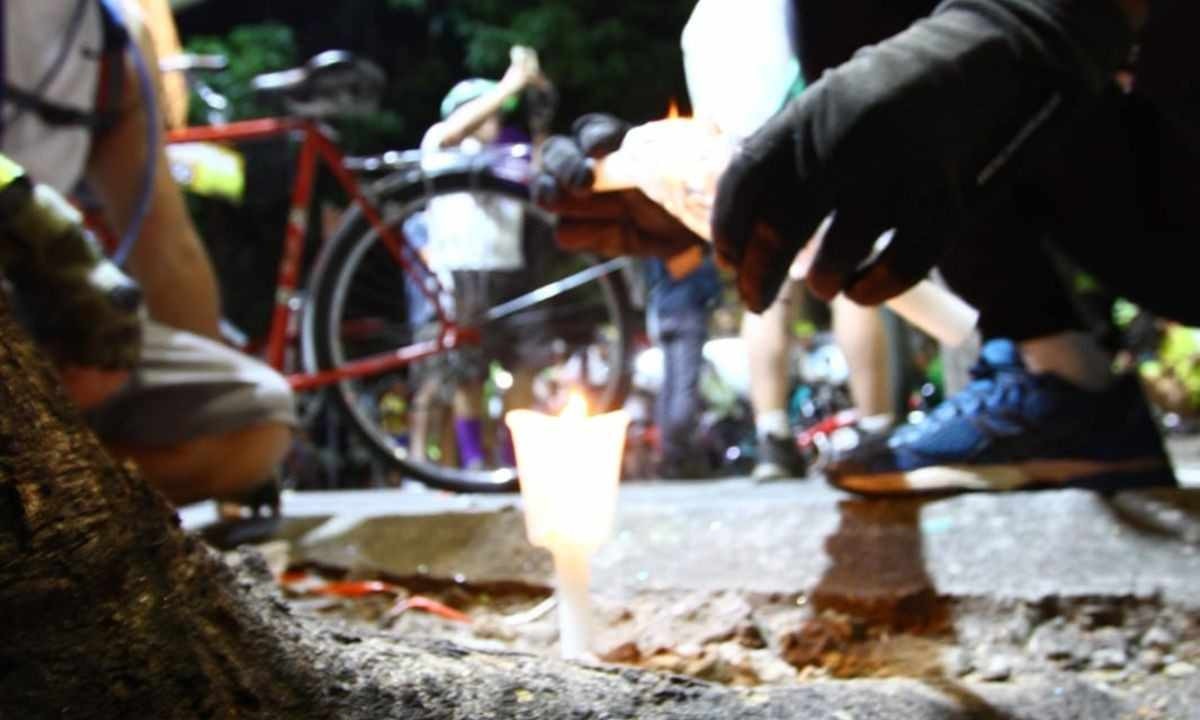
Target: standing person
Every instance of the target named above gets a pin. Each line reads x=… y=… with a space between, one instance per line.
x=469 y=238
x=980 y=133
x=742 y=64
x=198 y=418
x=682 y=291
x=859 y=334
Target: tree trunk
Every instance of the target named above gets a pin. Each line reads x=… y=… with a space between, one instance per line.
x=110 y=610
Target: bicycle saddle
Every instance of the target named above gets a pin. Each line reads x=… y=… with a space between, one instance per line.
x=331 y=83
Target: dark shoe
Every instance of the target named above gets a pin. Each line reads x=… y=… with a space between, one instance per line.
x=261 y=502
x=250 y=518
x=690 y=469
x=778 y=458
x=1010 y=429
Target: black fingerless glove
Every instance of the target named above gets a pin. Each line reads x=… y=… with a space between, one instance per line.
x=913 y=134
x=566 y=169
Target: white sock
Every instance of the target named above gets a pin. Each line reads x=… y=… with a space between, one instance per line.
x=877 y=423
x=772 y=422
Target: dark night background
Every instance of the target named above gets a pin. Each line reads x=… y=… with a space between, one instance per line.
x=620 y=58
x=601 y=56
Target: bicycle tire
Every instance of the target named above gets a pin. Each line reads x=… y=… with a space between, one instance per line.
x=399 y=196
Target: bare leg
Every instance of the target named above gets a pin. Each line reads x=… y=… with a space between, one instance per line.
x=1074 y=356
x=213 y=466
x=468 y=400
x=423 y=418
x=520 y=395
x=860 y=334
x=768 y=342
x=169 y=259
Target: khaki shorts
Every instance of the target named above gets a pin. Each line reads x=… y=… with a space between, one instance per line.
x=187 y=387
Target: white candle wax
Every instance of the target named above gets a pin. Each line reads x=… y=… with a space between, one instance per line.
x=572 y=573
x=569 y=468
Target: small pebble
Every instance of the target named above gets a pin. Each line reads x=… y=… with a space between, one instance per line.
x=1109 y=659
x=957 y=662
x=1180 y=669
x=1158 y=637
x=998 y=669
x=1151 y=660
x=626 y=652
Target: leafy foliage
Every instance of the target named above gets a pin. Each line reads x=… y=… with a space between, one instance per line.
x=250 y=50
x=601 y=63
x=621 y=58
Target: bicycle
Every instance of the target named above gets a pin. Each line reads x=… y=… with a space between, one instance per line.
x=349 y=330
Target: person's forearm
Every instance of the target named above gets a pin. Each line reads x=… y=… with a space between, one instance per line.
x=467 y=119
x=169 y=259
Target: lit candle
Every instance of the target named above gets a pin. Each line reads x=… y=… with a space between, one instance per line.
x=570 y=467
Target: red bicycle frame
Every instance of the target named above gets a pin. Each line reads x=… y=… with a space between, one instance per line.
x=317 y=146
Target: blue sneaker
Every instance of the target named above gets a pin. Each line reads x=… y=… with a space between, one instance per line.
x=1010 y=429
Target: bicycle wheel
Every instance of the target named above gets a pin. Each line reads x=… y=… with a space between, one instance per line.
x=559 y=320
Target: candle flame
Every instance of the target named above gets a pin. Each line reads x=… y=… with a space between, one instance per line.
x=672 y=110
x=576 y=407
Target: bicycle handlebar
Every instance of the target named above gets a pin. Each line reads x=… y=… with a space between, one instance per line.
x=386 y=162
x=190 y=62
x=511 y=162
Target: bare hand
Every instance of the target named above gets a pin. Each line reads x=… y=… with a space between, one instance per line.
x=523 y=68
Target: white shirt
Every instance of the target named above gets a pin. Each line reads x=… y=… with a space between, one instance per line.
x=469 y=231
x=739 y=62
x=36 y=35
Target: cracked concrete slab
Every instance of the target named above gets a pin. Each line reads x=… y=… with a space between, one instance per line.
x=793 y=537
x=1002 y=553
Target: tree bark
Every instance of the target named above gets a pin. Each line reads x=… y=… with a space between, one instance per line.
x=109 y=610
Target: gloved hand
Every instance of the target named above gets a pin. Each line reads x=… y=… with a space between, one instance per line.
x=564 y=171
x=624 y=222
x=566 y=168
x=913 y=134
x=76 y=304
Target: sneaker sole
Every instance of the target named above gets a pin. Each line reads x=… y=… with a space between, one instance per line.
x=1030 y=475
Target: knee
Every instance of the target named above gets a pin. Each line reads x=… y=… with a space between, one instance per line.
x=212 y=466
x=247 y=457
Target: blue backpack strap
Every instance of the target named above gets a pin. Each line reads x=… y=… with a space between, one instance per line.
x=116 y=31
x=116 y=37
x=116 y=41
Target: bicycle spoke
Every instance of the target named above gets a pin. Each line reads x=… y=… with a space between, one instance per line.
x=556 y=322
x=556 y=288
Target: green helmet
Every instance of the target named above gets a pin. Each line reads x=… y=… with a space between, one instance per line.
x=465 y=91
